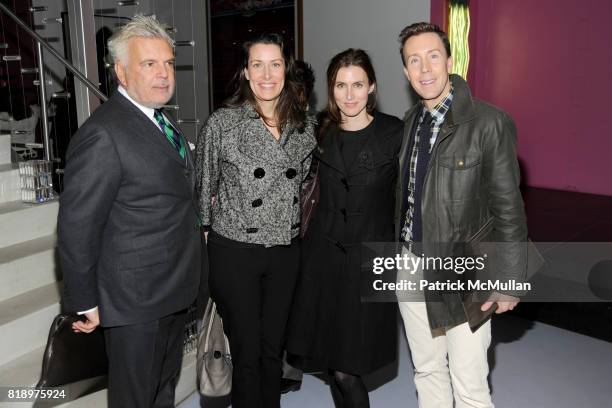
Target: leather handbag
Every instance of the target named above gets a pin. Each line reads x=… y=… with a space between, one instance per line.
x=70 y=356
x=309 y=196
x=214 y=364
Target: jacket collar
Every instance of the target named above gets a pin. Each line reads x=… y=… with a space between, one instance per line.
x=149 y=112
x=367 y=158
x=461 y=110
x=257 y=142
x=247 y=111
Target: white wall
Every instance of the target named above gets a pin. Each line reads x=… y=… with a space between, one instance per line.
x=331 y=26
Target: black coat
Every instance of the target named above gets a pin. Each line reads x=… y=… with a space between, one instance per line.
x=330 y=326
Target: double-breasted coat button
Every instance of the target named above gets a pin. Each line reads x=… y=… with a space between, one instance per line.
x=257 y=203
x=460 y=163
x=259 y=173
x=291 y=173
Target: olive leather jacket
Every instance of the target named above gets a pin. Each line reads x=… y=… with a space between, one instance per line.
x=470 y=193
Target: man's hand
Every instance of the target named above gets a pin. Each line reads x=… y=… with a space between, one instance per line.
x=93 y=321
x=504 y=303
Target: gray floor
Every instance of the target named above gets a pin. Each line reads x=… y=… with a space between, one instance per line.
x=532 y=365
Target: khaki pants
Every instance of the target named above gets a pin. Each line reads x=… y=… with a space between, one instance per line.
x=449 y=363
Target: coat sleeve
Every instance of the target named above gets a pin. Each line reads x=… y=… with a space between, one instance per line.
x=208 y=147
x=91 y=182
x=506 y=204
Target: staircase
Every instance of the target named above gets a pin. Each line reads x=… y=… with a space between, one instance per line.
x=29 y=280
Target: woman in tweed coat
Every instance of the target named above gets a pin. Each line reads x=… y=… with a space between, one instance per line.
x=252 y=156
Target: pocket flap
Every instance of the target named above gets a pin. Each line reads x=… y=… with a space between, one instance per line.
x=459 y=161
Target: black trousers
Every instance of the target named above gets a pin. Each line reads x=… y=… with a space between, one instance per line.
x=145 y=362
x=253 y=289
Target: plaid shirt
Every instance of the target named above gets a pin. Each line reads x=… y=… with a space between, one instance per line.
x=438 y=113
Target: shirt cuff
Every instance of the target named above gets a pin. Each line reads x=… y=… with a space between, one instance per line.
x=88 y=311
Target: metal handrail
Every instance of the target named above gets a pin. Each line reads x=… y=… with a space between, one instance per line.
x=41 y=72
x=92 y=87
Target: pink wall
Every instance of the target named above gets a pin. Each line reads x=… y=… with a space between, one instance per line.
x=438 y=12
x=548 y=63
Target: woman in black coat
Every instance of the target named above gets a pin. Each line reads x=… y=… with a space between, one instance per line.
x=357 y=159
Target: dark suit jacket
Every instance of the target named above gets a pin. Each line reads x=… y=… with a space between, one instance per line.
x=128 y=230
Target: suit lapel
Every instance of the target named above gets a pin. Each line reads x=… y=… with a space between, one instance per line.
x=169 y=147
x=151 y=131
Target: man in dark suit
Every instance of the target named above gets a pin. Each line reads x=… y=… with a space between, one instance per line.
x=128 y=230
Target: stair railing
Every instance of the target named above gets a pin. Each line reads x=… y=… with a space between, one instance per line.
x=40 y=43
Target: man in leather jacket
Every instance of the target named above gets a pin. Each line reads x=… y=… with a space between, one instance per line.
x=458 y=184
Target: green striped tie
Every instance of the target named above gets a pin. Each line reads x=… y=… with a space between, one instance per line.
x=173 y=137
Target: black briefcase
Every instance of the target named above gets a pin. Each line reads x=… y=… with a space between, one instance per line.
x=70 y=356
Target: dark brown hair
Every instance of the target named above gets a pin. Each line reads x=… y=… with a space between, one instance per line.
x=305 y=76
x=288 y=107
x=351 y=57
x=420 y=28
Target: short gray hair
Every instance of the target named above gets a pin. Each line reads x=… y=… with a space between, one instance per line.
x=140 y=26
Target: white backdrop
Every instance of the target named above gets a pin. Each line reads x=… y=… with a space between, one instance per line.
x=331 y=26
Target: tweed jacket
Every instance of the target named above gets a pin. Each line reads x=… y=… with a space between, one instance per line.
x=248 y=181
